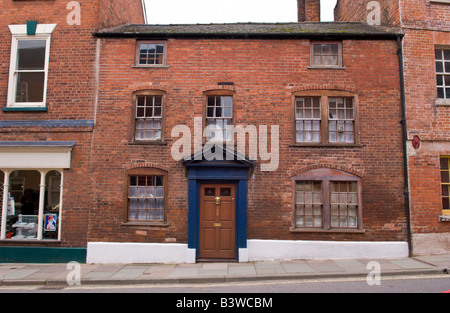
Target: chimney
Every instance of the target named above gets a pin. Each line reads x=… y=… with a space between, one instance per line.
x=308 y=10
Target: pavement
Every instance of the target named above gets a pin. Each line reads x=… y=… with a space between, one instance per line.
x=131 y=274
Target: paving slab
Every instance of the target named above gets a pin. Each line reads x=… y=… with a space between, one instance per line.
x=296 y=267
x=325 y=267
x=409 y=264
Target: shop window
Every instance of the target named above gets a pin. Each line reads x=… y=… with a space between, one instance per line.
x=33 y=205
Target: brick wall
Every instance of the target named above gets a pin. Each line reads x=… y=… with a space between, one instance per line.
x=264 y=81
x=357 y=11
x=426 y=25
x=308 y=10
x=71 y=93
x=117 y=12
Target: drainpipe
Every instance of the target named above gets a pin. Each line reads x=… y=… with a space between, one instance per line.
x=405 y=147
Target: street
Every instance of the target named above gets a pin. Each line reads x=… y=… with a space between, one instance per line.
x=395 y=284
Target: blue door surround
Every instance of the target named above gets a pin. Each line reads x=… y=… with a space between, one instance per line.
x=234 y=168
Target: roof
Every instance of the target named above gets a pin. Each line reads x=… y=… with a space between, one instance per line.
x=253 y=30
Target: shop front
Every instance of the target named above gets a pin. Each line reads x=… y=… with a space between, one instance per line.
x=32 y=176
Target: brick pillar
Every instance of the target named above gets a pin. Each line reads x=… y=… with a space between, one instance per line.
x=308 y=10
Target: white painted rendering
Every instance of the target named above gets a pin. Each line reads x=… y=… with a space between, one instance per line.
x=258 y=250
x=243 y=255
x=265 y=250
x=431 y=244
x=123 y=253
x=35 y=157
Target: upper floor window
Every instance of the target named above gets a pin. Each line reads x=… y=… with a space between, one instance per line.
x=29 y=66
x=326 y=54
x=150 y=53
x=443 y=73
x=148 y=116
x=219 y=117
x=325 y=118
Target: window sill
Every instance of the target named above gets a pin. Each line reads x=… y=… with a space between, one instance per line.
x=25 y=109
x=145 y=224
x=313 y=145
x=151 y=66
x=148 y=143
x=30 y=241
x=443 y=102
x=321 y=230
x=326 y=68
x=440 y=1
x=444 y=218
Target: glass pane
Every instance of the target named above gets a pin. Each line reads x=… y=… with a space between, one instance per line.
x=227 y=101
x=31 y=55
x=30 y=87
x=444 y=177
x=225 y=192
x=210 y=192
x=440 y=80
x=444 y=163
x=447 y=55
x=447 y=67
x=438 y=54
x=441 y=93
x=439 y=67
x=445 y=191
x=445 y=204
x=160 y=49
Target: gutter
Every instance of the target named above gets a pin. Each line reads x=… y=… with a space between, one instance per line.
x=360 y=36
x=405 y=140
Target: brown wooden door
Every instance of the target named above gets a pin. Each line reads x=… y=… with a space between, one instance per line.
x=217 y=221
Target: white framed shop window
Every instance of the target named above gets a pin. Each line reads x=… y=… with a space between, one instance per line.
x=28 y=72
x=32 y=177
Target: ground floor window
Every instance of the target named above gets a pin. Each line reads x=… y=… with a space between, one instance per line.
x=445 y=184
x=327 y=199
x=31 y=204
x=146 y=195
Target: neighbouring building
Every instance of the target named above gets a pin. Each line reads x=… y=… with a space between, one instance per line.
x=426 y=64
x=48 y=97
x=331 y=184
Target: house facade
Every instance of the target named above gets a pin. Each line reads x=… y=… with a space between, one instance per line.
x=48 y=87
x=426 y=64
x=319 y=173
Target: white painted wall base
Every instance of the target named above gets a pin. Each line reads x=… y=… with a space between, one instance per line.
x=265 y=250
x=257 y=250
x=123 y=253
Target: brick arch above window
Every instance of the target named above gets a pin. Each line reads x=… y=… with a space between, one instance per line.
x=341 y=168
x=324 y=87
x=218 y=88
x=146 y=165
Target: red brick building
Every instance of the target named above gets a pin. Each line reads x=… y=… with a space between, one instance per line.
x=426 y=63
x=48 y=97
x=329 y=92
x=108 y=137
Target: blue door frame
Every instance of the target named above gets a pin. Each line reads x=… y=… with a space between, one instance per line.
x=217 y=175
x=237 y=171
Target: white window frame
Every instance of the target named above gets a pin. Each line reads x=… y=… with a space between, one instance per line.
x=19 y=32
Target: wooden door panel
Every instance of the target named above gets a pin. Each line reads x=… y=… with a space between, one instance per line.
x=217 y=221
